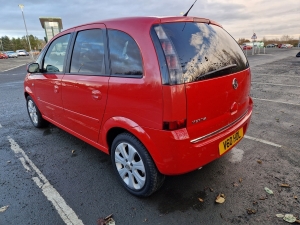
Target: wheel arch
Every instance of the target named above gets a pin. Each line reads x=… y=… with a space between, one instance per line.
x=28 y=91
x=117 y=125
x=26 y=94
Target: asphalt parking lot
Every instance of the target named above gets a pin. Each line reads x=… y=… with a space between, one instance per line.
x=11 y=63
x=50 y=177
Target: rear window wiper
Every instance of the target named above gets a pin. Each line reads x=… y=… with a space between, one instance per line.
x=217 y=70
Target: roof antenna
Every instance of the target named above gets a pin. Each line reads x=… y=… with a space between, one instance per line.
x=189 y=9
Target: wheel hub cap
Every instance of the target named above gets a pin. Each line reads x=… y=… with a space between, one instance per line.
x=130 y=166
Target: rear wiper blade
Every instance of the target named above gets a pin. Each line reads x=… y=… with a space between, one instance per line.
x=218 y=70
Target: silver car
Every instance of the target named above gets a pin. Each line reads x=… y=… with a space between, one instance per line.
x=22 y=52
x=12 y=54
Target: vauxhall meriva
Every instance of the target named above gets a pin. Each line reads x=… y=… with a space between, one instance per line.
x=162 y=96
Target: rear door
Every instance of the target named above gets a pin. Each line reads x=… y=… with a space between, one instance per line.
x=84 y=87
x=216 y=75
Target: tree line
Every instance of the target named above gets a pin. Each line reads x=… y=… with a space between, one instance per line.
x=285 y=39
x=13 y=44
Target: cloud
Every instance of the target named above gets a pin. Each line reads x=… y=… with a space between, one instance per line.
x=239 y=17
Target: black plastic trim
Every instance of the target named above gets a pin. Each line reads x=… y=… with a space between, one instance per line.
x=164 y=71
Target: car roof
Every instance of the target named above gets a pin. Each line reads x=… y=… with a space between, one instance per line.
x=146 y=21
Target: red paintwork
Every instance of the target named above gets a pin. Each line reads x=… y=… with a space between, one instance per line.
x=212 y=99
x=84 y=99
x=90 y=106
x=175 y=154
x=48 y=92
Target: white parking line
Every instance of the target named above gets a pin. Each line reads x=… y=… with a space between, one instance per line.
x=14 y=67
x=14 y=74
x=24 y=164
x=65 y=211
x=262 y=141
x=261 y=99
x=0 y=126
x=284 y=85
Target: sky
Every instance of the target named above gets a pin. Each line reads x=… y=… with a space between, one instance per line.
x=241 y=18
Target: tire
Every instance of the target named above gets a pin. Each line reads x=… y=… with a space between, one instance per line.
x=134 y=166
x=34 y=113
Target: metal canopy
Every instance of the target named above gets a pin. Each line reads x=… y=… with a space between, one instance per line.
x=51 y=19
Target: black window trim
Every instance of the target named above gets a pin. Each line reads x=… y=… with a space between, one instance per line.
x=41 y=60
x=161 y=58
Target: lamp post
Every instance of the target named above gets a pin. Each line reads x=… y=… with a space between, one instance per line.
x=2 y=45
x=21 y=7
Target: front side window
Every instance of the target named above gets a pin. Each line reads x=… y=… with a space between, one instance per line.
x=88 y=53
x=55 y=56
x=125 y=55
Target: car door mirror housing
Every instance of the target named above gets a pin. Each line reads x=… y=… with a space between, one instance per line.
x=33 y=68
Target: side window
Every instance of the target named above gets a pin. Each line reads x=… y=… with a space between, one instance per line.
x=55 y=56
x=88 y=53
x=125 y=55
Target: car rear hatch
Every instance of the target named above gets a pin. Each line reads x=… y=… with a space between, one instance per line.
x=214 y=70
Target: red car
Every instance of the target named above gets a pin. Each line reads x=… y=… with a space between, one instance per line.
x=247 y=47
x=3 y=55
x=162 y=96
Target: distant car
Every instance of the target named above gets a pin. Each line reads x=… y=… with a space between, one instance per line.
x=12 y=54
x=22 y=53
x=279 y=45
x=3 y=55
x=247 y=47
x=270 y=46
x=283 y=46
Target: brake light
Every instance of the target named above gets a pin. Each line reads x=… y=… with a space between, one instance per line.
x=174 y=125
x=174 y=68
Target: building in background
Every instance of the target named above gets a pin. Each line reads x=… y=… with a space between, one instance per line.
x=52 y=26
x=258 y=44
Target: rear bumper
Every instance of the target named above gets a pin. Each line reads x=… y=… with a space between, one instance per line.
x=174 y=152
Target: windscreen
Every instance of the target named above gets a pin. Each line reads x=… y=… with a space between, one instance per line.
x=204 y=51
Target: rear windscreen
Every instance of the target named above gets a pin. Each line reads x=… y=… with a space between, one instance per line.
x=204 y=51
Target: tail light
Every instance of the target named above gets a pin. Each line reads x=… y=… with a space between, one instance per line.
x=174 y=125
x=174 y=68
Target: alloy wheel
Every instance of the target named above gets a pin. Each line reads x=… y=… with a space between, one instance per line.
x=130 y=166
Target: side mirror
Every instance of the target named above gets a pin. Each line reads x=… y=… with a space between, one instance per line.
x=298 y=54
x=33 y=68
